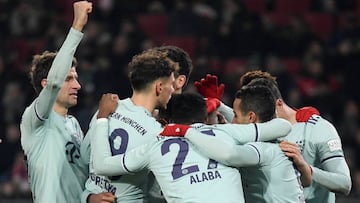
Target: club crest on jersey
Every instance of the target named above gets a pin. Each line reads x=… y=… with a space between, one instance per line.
x=72 y=152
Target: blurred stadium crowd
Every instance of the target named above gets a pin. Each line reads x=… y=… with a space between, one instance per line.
x=312 y=46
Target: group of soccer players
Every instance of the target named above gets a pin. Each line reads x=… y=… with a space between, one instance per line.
x=261 y=150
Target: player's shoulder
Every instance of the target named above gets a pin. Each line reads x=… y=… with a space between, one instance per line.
x=319 y=121
x=322 y=128
x=72 y=118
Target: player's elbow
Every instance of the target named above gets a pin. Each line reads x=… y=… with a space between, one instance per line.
x=346 y=187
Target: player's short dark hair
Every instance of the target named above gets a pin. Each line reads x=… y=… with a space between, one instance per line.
x=181 y=57
x=258 y=99
x=149 y=66
x=40 y=67
x=186 y=108
x=269 y=84
x=257 y=74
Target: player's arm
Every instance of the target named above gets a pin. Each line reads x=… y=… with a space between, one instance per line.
x=267 y=131
x=226 y=111
x=103 y=161
x=106 y=164
x=334 y=173
x=335 y=176
x=242 y=133
x=227 y=153
x=236 y=155
x=61 y=64
x=239 y=155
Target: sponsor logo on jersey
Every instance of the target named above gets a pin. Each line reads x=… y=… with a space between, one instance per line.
x=334 y=145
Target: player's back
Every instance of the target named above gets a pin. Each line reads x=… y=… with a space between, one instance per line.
x=56 y=170
x=274 y=179
x=129 y=127
x=185 y=175
x=319 y=142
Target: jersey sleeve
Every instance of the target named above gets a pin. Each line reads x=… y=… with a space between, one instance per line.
x=271 y=130
x=334 y=174
x=242 y=155
x=224 y=152
x=106 y=164
x=60 y=67
x=226 y=111
x=327 y=141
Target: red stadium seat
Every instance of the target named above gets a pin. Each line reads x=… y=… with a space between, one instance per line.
x=320 y=23
x=154 y=25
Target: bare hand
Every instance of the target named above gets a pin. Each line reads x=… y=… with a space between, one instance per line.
x=104 y=197
x=107 y=105
x=292 y=151
x=81 y=11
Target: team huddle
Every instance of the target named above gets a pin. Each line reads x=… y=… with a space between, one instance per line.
x=163 y=145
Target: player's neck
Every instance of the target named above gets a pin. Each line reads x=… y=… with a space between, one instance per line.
x=288 y=114
x=61 y=110
x=145 y=100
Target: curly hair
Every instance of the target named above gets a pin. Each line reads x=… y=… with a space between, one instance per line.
x=149 y=66
x=247 y=77
x=257 y=77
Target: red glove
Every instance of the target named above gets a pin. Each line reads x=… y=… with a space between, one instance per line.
x=175 y=130
x=212 y=104
x=303 y=114
x=208 y=87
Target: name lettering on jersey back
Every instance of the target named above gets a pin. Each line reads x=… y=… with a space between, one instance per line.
x=139 y=128
x=204 y=176
x=103 y=183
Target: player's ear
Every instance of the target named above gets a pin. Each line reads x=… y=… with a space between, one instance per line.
x=43 y=82
x=180 y=82
x=279 y=103
x=252 y=117
x=158 y=87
